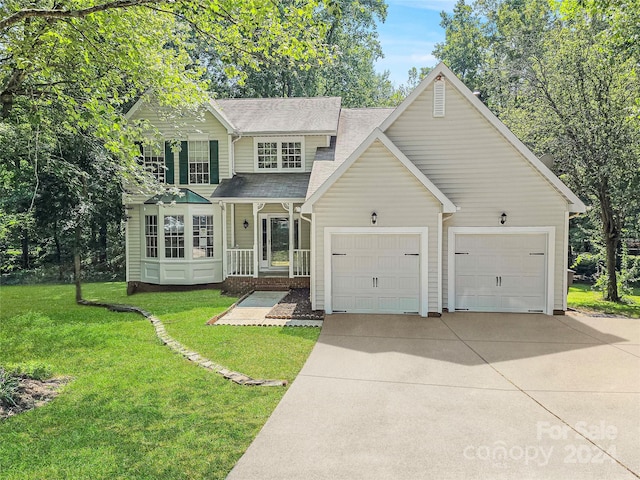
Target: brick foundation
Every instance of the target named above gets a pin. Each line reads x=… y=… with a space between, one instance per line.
x=245 y=284
x=235 y=285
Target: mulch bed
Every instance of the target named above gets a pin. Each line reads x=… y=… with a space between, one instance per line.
x=32 y=394
x=296 y=305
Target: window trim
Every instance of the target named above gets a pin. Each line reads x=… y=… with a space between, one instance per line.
x=189 y=160
x=207 y=237
x=279 y=141
x=150 y=167
x=150 y=235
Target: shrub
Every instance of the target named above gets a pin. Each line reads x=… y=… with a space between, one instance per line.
x=8 y=388
x=589 y=265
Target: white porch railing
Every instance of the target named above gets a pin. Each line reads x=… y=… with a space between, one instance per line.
x=301 y=263
x=240 y=262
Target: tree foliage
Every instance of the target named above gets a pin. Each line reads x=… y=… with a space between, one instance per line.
x=70 y=69
x=350 y=34
x=566 y=83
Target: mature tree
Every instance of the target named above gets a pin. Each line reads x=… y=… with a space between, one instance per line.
x=352 y=37
x=465 y=43
x=568 y=87
x=69 y=70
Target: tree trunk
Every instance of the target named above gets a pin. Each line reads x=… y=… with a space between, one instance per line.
x=58 y=252
x=76 y=263
x=24 y=241
x=611 y=233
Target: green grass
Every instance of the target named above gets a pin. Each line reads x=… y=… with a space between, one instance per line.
x=134 y=408
x=582 y=297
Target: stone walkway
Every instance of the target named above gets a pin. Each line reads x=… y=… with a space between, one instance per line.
x=161 y=333
x=253 y=311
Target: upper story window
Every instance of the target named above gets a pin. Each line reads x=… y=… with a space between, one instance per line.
x=153 y=160
x=198 y=162
x=279 y=154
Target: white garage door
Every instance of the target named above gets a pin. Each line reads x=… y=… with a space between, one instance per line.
x=500 y=273
x=375 y=273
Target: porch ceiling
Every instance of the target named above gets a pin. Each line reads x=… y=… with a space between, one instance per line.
x=263 y=186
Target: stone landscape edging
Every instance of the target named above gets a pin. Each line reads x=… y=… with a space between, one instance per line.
x=195 y=357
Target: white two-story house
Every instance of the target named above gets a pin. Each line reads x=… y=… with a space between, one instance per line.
x=429 y=206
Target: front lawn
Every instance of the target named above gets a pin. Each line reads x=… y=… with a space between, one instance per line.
x=134 y=408
x=582 y=297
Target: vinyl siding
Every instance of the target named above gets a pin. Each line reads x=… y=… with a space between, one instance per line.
x=135 y=238
x=377 y=181
x=480 y=171
x=245 y=160
x=173 y=128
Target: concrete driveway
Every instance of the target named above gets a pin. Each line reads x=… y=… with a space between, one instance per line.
x=465 y=396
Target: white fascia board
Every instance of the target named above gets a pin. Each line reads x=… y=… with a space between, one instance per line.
x=289 y=133
x=575 y=204
x=377 y=134
x=136 y=106
x=255 y=200
x=216 y=111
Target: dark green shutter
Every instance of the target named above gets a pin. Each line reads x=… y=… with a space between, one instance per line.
x=168 y=163
x=214 y=164
x=140 y=159
x=184 y=163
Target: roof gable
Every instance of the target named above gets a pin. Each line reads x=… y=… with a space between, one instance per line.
x=211 y=106
x=378 y=135
x=575 y=204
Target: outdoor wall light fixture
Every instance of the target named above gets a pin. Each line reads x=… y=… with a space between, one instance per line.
x=503 y=218
x=245 y=224
x=374 y=218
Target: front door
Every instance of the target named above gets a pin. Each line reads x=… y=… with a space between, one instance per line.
x=274 y=242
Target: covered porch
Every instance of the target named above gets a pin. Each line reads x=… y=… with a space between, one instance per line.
x=264 y=234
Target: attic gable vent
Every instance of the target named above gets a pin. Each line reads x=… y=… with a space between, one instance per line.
x=438 y=97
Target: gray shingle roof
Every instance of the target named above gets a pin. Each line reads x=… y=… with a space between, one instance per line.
x=184 y=196
x=263 y=185
x=282 y=115
x=355 y=126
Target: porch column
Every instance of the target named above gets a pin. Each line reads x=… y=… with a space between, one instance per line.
x=225 y=266
x=256 y=209
x=233 y=225
x=291 y=238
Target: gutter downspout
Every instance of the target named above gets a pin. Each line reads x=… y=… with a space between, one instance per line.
x=441 y=220
x=232 y=155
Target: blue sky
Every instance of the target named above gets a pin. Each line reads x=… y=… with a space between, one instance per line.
x=408 y=35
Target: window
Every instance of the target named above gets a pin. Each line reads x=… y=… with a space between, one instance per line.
x=198 y=162
x=202 y=236
x=153 y=160
x=291 y=155
x=174 y=236
x=267 y=155
x=279 y=154
x=151 y=235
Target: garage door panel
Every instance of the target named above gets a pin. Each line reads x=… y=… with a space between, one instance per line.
x=364 y=303
x=501 y=272
x=373 y=274
x=362 y=263
x=387 y=263
x=342 y=264
x=409 y=264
